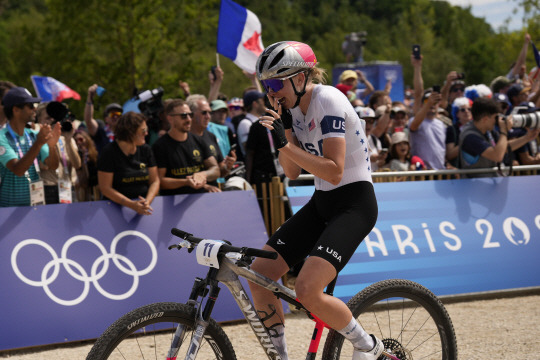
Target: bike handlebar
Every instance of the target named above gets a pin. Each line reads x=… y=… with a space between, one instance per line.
x=227 y=248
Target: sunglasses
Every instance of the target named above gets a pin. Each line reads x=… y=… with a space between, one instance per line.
x=205 y=112
x=458 y=89
x=235 y=107
x=183 y=116
x=115 y=114
x=275 y=84
x=464 y=109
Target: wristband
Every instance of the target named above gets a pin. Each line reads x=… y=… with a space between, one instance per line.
x=89 y=103
x=503 y=133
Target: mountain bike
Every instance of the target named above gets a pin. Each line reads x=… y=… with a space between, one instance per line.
x=409 y=319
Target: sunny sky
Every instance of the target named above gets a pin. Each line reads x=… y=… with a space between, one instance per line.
x=494 y=11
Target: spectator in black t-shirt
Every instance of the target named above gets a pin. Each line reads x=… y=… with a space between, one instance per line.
x=185 y=163
x=127 y=171
x=200 y=107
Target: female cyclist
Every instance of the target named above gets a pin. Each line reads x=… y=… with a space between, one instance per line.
x=321 y=133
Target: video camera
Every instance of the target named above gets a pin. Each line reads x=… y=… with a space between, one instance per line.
x=151 y=105
x=60 y=113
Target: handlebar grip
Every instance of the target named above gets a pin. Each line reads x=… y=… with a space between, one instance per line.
x=185 y=235
x=262 y=253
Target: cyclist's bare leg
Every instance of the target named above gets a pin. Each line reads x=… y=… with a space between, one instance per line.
x=267 y=304
x=315 y=275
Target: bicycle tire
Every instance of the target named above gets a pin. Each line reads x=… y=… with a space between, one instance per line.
x=140 y=335
x=413 y=312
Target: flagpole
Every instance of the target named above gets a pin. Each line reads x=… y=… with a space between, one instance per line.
x=217 y=59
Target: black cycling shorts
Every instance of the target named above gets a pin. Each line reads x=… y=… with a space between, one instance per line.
x=330 y=226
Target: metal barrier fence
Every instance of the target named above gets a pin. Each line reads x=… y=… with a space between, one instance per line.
x=272 y=196
x=421 y=175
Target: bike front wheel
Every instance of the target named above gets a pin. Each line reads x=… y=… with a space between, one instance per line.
x=409 y=319
x=147 y=333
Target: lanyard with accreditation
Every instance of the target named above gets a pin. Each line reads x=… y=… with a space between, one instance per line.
x=37 y=193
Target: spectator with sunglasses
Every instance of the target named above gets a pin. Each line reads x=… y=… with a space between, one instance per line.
x=22 y=149
x=185 y=163
x=461 y=115
x=201 y=120
x=102 y=132
x=453 y=88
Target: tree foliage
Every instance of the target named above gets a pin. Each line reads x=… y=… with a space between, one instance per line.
x=133 y=45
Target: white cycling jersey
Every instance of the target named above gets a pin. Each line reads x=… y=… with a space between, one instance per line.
x=330 y=114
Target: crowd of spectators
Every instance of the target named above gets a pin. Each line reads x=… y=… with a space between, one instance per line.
x=199 y=143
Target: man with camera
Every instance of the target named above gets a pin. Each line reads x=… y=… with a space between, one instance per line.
x=480 y=145
x=21 y=149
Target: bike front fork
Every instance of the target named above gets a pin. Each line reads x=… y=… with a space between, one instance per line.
x=199 y=290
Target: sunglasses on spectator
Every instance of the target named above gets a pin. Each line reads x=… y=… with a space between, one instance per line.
x=115 y=114
x=183 y=116
x=235 y=107
x=464 y=109
x=275 y=84
x=456 y=89
x=205 y=112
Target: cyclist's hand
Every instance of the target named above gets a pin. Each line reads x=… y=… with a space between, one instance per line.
x=275 y=124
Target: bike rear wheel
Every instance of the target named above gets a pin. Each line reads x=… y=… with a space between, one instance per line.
x=147 y=332
x=409 y=319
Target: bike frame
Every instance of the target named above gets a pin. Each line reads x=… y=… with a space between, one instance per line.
x=229 y=274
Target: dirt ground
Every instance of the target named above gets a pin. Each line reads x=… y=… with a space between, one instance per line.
x=496 y=329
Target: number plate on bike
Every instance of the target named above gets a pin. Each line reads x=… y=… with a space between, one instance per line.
x=207 y=251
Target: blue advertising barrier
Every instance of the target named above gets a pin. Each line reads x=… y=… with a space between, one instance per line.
x=69 y=271
x=452 y=236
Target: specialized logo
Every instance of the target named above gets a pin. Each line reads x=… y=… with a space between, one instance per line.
x=80 y=273
x=279 y=242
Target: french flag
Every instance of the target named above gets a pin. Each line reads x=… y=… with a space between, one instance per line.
x=239 y=35
x=50 y=89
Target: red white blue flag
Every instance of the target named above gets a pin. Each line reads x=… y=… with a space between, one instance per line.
x=239 y=35
x=50 y=89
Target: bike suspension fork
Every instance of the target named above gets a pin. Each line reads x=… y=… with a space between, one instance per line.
x=200 y=289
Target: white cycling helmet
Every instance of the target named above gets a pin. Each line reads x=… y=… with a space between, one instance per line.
x=285 y=58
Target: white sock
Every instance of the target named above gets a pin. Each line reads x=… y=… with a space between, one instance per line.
x=277 y=335
x=357 y=335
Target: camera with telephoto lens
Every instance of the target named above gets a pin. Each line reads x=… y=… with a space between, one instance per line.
x=531 y=120
x=525 y=117
x=151 y=105
x=60 y=113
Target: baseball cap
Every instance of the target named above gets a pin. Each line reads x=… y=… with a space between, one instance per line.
x=364 y=112
x=18 y=96
x=515 y=90
x=252 y=96
x=217 y=105
x=397 y=109
x=399 y=137
x=112 y=107
x=347 y=74
x=236 y=101
x=500 y=97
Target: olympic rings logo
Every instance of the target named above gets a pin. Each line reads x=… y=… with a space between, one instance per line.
x=79 y=273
